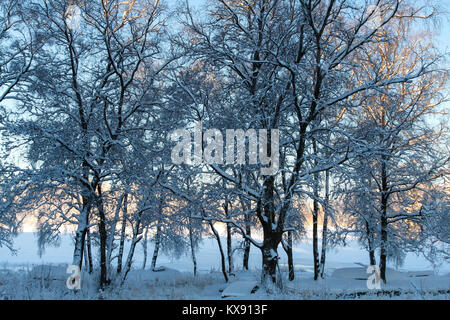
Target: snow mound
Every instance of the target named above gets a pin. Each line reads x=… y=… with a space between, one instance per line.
x=361 y=274
x=426 y=273
x=240 y=288
x=159 y=269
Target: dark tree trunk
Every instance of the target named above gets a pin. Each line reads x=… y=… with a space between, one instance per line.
x=229 y=249
x=271 y=233
x=89 y=251
x=270 y=257
x=315 y=241
x=122 y=234
x=383 y=220
x=248 y=233
x=229 y=241
x=290 y=256
x=325 y=225
x=383 y=249
x=104 y=281
x=247 y=246
x=372 y=259
x=315 y=217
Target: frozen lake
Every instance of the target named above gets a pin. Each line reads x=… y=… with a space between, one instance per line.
x=208 y=257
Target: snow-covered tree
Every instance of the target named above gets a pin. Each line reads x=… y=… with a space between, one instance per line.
x=407 y=148
x=284 y=64
x=91 y=102
x=19 y=42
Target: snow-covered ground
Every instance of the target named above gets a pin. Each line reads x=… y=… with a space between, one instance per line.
x=345 y=278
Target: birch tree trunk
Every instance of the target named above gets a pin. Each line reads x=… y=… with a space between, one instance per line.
x=158 y=230
x=86 y=258
x=89 y=251
x=157 y=245
x=192 y=243
x=144 y=246
x=112 y=232
x=80 y=234
x=134 y=241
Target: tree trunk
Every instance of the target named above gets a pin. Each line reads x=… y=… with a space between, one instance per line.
x=192 y=243
x=325 y=224
x=229 y=249
x=80 y=234
x=158 y=230
x=112 y=232
x=229 y=241
x=383 y=245
x=104 y=281
x=383 y=220
x=122 y=234
x=89 y=251
x=222 y=255
x=315 y=237
x=370 y=245
x=290 y=257
x=271 y=237
x=315 y=218
x=248 y=233
x=86 y=198
x=270 y=259
x=247 y=242
x=157 y=244
x=144 y=246
x=134 y=241
x=372 y=257
x=86 y=259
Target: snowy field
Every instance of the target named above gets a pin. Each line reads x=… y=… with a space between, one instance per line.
x=21 y=278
